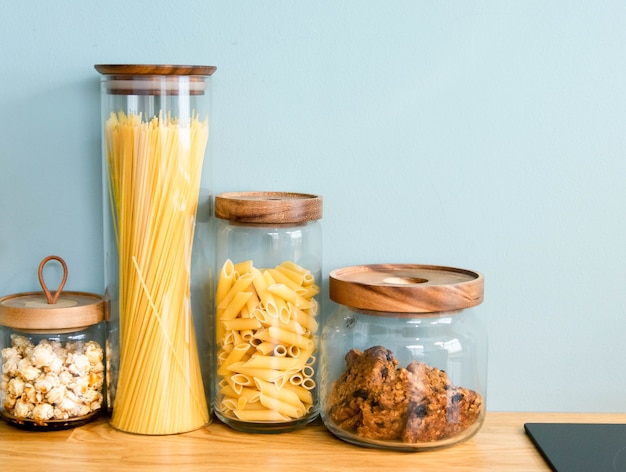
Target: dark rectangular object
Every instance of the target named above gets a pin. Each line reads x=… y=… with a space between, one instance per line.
x=580 y=447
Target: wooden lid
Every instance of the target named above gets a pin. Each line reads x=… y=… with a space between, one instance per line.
x=154 y=79
x=406 y=288
x=268 y=207
x=153 y=69
x=46 y=311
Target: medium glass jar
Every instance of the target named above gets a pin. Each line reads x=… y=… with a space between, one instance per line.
x=52 y=374
x=403 y=356
x=155 y=130
x=269 y=253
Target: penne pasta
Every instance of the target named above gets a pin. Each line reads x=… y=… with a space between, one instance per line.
x=241 y=324
x=228 y=341
x=237 y=387
x=226 y=390
x=253 y=302
x=238 y=353
x=242 y=267
x=234 y=307
x=308 y=371
x=281 y=351
x=271 y=324
x=254 y=341
x=259 y=415
x=292 y=266
x=240 y=285
x=225 y=281
x=271 y=362
x=296 y=379
x=294 y=275
x=242 y=402
x=222 y=355
x=267 y=300
x=307 y=276
x=305 y=320
x=247 y=335
x=243 y=380
x=305 y=396
x=283 y=292
x=281 y=278
x=290 y=338
x=308 y=383
x=294 y=327
x=256 y=405
x=237 y=338
x=294 y=351
x=229 y=404
x=284 y=408
x=265 y=374
x=284 y=395
x=309 y=291
x=266 y=347
x=251 y=394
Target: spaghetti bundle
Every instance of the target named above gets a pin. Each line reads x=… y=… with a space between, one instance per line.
x=154 y=169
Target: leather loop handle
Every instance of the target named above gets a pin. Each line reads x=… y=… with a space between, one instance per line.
x=52 y=299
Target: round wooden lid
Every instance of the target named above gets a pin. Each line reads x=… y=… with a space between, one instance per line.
x=154 y=79
x=406 y=288
x=153 y=69
x=46 y=311
x=268 y=207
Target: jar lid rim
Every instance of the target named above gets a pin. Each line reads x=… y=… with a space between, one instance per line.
x=31 y=311
x=406 y=288
x=268 y=207
x=154 y=69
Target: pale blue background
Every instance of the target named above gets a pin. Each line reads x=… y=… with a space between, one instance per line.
x=489 y=135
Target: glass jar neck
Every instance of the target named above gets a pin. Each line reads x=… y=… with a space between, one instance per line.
x=387 y=314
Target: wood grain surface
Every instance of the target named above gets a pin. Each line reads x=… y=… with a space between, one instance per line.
x=500 y=445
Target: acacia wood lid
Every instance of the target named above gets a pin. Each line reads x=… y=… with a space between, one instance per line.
x=268 y=207
x=153 y=69
x=406 y=288
x=46 y=311
x=154 y=79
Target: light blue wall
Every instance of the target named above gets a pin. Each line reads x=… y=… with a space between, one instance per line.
x=489 y=135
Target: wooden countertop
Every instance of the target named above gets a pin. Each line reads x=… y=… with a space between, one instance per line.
x=501 y=444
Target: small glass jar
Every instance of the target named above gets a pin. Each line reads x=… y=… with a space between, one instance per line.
x=53 y=360
x=403 y=356
x=155 y=141
x=268 y=254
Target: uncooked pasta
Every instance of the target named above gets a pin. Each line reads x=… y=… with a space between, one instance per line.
x=154 y=170
x=266 y=333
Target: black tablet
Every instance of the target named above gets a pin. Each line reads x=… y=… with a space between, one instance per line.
x=584 y=447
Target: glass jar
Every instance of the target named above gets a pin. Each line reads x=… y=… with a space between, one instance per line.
x=268 y=253
x=403 y=356
x=155 y=129
x=53 y=367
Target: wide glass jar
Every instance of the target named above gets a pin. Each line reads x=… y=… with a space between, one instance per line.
x=52 y=374
x=269 y=253
x=403 y=356
x=155 y=133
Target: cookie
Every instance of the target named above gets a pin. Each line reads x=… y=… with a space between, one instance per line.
x=375 y=398
x=437 y=409
x=368 y=397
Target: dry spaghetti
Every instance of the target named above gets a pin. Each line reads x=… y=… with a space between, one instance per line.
x=154 y=170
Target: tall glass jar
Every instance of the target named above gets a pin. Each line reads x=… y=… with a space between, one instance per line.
x=155 y=130
x=269 y=253
x=404 y=356
x=52 y=372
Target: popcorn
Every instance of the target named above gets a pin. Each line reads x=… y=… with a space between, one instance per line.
x=51 y=381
